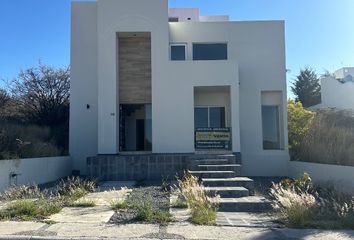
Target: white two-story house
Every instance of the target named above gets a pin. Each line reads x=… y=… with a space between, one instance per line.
x=153 y=85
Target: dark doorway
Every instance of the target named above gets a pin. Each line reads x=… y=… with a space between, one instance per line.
x=140 y=134
x=135 y=127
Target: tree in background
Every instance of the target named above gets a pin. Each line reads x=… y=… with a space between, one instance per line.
x=35 y=113
x=4 y=98
x=299 y=121
x=42 y=94
x=307 y=88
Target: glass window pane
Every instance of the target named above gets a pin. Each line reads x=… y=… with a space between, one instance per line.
x=201 y=117
x=270 y=124
x=214 y=51
x=178 y=52
x=217 y=117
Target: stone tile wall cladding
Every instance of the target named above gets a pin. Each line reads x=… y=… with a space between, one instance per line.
x=140 y=167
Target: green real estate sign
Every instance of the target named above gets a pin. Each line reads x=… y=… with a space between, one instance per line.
x=213 y=138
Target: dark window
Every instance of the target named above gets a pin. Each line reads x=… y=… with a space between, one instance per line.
x=209 y=51
x=209 y=117
x=217 y=117
x=201 y=117
x=271 y=128
x=173 y=19
x=178 y=52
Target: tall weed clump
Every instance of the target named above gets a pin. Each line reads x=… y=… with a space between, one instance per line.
x=299 y=203
x=203 y=207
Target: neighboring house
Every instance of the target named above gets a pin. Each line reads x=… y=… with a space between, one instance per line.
x=151 y=87
x=337 y=91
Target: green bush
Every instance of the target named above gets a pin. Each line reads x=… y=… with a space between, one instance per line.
x=299 y=121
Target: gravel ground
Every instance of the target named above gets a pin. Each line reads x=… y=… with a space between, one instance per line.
x=160 y=201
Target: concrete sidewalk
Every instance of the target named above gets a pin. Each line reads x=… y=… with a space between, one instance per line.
x=31 y=230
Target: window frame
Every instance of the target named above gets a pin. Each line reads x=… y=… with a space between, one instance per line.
x=185 y=50
x=210 y=43
x=212 y=106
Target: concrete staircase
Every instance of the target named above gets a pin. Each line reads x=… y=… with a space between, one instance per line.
x=221 y=174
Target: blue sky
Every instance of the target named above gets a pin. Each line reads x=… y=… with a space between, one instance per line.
x=319 y=33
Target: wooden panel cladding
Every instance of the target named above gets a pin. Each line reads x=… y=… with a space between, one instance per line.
x=134 y=66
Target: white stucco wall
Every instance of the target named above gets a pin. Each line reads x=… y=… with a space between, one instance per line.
x=337 y=95
x=341 y=177
x=83 y=85
x=34 y=170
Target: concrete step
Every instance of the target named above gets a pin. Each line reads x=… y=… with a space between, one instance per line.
x=211 y=162
x=228 y=192
x=231 y=157
x=245 y=204
x=230 y=182
x=224 y=167
x=213 y=174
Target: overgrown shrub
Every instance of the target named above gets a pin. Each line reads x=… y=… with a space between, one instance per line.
x=330 y=139
x=20 y=140
x=301 y=204
x=299 y=120
x=203 y=207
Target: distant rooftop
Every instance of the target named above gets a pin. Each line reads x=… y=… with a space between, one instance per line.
x=192 y=15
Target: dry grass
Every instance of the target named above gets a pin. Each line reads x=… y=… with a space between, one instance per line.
x=30 y=203
x=119 y=204
x=84 y=203
x=19 y=140
x=330 y=139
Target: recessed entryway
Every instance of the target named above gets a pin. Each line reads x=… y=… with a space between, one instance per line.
x=212 y=118
x=134 y=78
